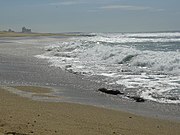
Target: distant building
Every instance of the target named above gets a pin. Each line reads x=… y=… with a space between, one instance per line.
x=10 y=30
x=24 y=30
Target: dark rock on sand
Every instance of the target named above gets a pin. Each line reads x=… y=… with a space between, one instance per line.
x=14 y=133
x=112 y=92
x=137 y=99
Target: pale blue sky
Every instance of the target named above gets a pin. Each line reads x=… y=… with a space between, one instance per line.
x=90 y=15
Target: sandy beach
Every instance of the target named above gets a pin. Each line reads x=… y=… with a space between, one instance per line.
x=66 y=103
x=22 y=116
x=81 y=67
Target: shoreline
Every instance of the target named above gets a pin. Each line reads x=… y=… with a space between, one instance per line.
x=49 y=94
x=19 y=67
x=25 y=116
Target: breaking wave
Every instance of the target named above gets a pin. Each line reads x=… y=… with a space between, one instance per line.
x=147 y=61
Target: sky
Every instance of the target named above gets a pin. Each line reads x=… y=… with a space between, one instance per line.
x=90 y=15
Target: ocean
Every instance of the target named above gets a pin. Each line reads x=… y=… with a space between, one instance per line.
x=145 y=64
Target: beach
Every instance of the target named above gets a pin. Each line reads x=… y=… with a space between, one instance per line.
x=21 y=116
x=37 y=98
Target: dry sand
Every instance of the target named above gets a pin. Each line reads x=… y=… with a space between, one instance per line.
x=21 y=116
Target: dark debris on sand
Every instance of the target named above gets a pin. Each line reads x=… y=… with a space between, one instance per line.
x=117 y=92
x=112 y=92
x=14 y=133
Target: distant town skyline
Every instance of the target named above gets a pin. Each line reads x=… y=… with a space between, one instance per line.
x=23 y=30
x=90 y=15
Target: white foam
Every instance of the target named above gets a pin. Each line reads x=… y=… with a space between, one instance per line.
x=108 y=74
x=148 y=95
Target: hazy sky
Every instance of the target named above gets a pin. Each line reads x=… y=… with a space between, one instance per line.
x=90 y=15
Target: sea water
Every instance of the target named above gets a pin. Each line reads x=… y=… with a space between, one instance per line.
x=146 y=63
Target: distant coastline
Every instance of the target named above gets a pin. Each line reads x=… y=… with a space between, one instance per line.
x=38 y=34
x=20 y=34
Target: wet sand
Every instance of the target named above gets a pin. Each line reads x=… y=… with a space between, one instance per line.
x=24 y=116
